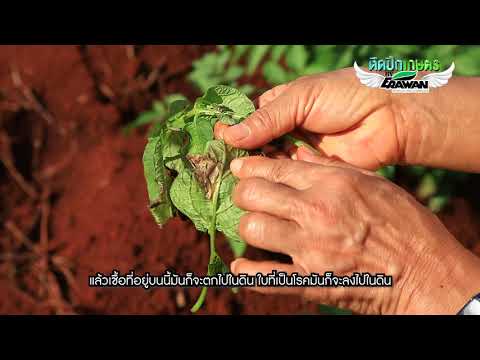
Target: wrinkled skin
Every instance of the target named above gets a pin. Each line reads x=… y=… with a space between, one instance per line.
x=329 y=212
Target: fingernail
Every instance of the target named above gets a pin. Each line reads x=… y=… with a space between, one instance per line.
x=233 y=266
x=237 y=132
x=307 y=150
x=219 y=130
x=236 y=165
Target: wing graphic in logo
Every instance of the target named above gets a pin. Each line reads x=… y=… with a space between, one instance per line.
x=369 y=79
x=439 y=79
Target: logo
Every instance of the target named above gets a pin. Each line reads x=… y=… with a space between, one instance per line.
x=403 y=80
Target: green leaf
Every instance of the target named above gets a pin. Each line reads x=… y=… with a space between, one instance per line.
x=364 y=51
x=403 y=50
x=175 y=149
x=189 y=198
x=345 y=59
x=176 y=103
x=274 y=73
x=203 y=184
x=200 y=132
x=277 y=52
x=417 y=170
x=439 y=174
x=180 y=117
x=467 y=63
x=206 y=64
x=233 y=73
x=158 y=180
x=159 y=107
x=171 y=98
x=297 y=57
x=427 y=187
x=247 y=89
x=324 y=59
x=225 y=102
x=144 y=118
x=256 y=55
x=297 y=142
x=313 y=69
x=239 y=51
x=228 y=216
x=217 y=266
x=387 y=172
x=438 y=203
x=221 y=60
x=206 y=71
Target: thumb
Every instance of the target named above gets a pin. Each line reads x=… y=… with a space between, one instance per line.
x=271 y=121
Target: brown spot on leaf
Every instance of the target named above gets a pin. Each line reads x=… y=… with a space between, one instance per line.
x=206 y=171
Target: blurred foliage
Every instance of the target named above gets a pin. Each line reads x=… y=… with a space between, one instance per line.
x=155 y=115
x=282 y=63
x=222 y=67
x=239 y=65
x=433 y=186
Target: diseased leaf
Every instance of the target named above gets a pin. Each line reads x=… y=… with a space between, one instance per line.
x=184 y=143
x=206 y=171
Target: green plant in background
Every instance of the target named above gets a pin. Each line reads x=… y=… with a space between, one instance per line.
x=435 y=187
x=388 y=172
x=221 y=67
x=156 y=115
x=283 y=63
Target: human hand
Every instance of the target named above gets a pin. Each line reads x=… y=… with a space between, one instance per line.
x=369 y=127
x=330 y=216
x=333 y=112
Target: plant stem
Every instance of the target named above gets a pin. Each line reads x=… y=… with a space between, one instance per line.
x=298 y=142
x=200 y=301
x=212 y=232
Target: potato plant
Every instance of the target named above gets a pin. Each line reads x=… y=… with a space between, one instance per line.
x=187 y=169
